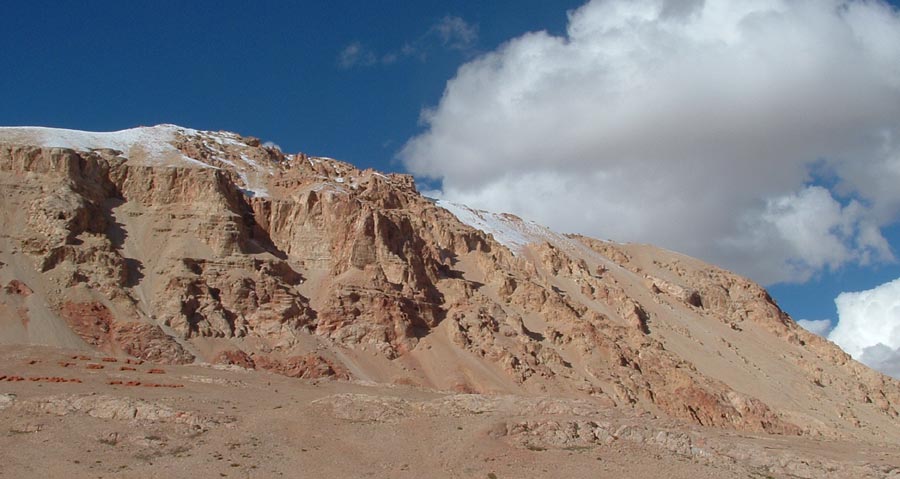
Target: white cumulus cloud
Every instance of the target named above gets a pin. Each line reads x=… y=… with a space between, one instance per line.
x=868 y=326
x=816 y=326
x=694 y=125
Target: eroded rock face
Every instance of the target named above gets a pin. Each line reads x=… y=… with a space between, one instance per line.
x=95 y=323
x=310 y=366
x=235 y=357
x=174 y=245
x=18 y=288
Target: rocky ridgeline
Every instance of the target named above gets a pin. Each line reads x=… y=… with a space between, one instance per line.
x=186 y=246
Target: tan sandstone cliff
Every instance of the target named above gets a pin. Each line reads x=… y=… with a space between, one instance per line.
x=174 y=245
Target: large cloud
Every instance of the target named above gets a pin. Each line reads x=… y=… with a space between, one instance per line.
x=869 y=326
x=699 y=126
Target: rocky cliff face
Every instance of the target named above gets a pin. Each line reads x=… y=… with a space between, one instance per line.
x=174 y=245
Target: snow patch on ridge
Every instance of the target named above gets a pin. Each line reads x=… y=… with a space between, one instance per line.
x=509 y=230
x=254 y=184
x=516 y=233
x=152 y=145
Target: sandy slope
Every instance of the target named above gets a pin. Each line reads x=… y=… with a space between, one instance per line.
x=251 y=424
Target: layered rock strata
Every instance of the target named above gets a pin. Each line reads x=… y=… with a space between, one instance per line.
x=175 y=245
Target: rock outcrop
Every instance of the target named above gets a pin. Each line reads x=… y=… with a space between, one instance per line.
x=174 y=245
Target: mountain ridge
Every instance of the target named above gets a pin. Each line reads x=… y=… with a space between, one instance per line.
x=175 y=245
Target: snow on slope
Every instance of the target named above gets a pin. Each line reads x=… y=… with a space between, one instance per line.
x=516 y=233
x=152 y=145
x=509 y=230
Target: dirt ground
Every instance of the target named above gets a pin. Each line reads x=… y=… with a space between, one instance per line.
x=70 y=415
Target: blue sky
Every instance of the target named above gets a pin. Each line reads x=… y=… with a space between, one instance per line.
x=350 y=80
x=268 y=69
